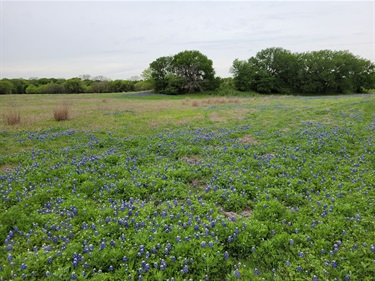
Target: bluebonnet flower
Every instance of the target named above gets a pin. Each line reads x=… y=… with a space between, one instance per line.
x=23 y=266
x=256 y=271
x=185 y=269
x=226 y=255
x=237 y=274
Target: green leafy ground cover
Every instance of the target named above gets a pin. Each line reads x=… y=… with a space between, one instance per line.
x=148 y=188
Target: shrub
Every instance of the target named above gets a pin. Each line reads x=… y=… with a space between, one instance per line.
x=13 y=117
x=61 y=113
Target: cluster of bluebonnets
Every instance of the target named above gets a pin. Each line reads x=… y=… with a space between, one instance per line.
x=84 y=205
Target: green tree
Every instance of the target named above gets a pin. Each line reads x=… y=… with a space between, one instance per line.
x=53 y=88
x=118 y=86
x=241 y=74
x=74 y=86
x=19 y=86
x=276 y=70
x=100 y=87
x=32 y=89
x=160 y=68
x=362 y=75
x=195 y=71
x=6 y=87
x=185 y=72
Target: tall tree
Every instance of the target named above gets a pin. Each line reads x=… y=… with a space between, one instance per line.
x=185 y=72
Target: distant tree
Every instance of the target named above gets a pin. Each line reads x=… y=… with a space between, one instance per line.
x=85 y=77
x=185 y=72
x=134 y=78
x=118 y=86
x=143 y=85
x=53 y=88
x=242 y=75
x=100 y=87
x=19 y=85
x=147 y=74
x=160 y=68
x=362 y=75
x=74 y=86
x=272 y=70
x=32 y=89
x=6 y=87
x=100 y=78
x=276 y=70
x=196 y=71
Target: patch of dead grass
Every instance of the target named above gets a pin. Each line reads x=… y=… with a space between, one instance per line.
x=194 y=159
x=247 y=139
x=244 y=213
x=7 y=168
x=215 y=117
x=13 y=117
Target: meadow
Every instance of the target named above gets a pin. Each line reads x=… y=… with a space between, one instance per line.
x=139 y=186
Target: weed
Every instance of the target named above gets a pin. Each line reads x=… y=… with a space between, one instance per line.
x=13 y=117
x=61 y=113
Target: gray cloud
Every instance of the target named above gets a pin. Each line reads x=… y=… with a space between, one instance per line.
x=119 y=39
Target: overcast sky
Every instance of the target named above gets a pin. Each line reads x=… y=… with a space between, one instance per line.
x=119 y=39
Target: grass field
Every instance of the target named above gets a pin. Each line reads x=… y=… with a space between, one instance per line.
x=152 y=187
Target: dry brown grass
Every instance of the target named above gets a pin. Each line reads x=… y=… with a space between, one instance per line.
x=186 y=101
x=13 y=117
x=247 y=139
x=195 y=103
x=211 y=101
x=228 y=214
x=61 y=113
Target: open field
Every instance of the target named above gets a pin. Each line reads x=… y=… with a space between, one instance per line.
x=152 y=187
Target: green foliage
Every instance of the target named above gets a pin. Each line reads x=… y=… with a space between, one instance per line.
x=73 y=85
x=271 y=196
x=276 y=70
x=185 y=72
x=6 y=87
x=32 y=89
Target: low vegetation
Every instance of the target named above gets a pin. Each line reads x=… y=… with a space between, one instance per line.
x=13 y=117
x=61 y=113
x=150 y=187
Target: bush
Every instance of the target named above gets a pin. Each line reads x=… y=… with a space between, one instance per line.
x=61 y=113
x=13 y=117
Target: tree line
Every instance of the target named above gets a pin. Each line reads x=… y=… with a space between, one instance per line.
x=84 y=84
x=276 y=70
x=272 y=70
